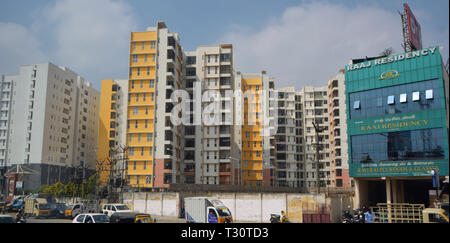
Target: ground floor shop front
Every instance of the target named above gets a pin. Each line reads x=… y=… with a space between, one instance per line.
x=412 y=190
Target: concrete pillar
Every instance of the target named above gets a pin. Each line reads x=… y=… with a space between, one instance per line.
x=361 y=193
x=394 y=191
x=388 y=199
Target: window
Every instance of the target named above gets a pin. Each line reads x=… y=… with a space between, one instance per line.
x=416 y=96
x=135 y=58
x=429 y=94
x=80 y=218
x=357 y=105
x=135 y=111
x=149 y=137
x=391 y=100
x=153 y=45
x=143 y=45
x=403 y=98
x=394 y=146
x=152 y=83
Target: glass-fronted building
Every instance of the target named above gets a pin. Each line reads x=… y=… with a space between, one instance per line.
x=397 y=126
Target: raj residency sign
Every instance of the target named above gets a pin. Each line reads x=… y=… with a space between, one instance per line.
x=391 y=59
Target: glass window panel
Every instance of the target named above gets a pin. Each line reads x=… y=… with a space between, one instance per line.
x=416 y=96
x=391 y=100
x=357 y=105
x=429 y=94
x=403 y=98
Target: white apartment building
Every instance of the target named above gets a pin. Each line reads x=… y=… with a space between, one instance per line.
x=315 y=109
x=338 y=132
x=53 y=123
x=6 y=89
x=289 y=139
x=210 y=147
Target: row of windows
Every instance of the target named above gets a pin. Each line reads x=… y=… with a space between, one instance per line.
x=143 y=45
x=140 y=151
x=139 y=137
x=393 y=146
x=398 y=99
x=135 y=58
x=151 y=83
x=136 y=123
x=139 y=71
x=144 y=97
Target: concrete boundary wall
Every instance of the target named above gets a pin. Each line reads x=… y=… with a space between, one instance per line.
x=245 y=207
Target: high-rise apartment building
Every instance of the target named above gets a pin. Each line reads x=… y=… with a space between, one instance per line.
x=289 y=139
x=210 y=138
x=258 y=129
x=338 y=132
x=152 y=142
x=315 y=110
x=53 y=123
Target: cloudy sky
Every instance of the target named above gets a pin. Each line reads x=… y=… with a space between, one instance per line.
x=297 y=42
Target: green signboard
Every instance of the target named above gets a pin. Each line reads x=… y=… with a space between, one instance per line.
x=402 y=69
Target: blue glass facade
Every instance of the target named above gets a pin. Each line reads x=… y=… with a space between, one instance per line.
x=395 y=100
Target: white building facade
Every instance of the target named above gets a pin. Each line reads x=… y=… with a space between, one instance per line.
x=53 y=123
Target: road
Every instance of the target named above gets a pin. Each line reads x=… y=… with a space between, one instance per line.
x=159 y=219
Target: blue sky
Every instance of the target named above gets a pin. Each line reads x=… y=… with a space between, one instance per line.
x=297 y=42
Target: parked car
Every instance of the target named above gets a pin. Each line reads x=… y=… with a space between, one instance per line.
x=57 y=210
x=7 y=219
x=109 y=209
x=91 y=218
x=132 y=218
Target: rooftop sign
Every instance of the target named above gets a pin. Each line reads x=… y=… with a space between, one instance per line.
x=391 y=59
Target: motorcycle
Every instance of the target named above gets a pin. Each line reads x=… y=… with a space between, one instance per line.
x=347 y=217
x=276 y=218
x=20 y=218
x=358 y=216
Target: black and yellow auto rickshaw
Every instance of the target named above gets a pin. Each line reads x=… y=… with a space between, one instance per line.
x=131 y=218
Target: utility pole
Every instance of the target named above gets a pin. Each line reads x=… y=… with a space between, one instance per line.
x=317 y=129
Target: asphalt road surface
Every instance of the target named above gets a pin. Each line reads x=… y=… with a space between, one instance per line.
x=159 y=219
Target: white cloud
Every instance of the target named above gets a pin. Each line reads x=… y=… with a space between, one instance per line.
x=18 y=46
x=310 y=43
x=89 y=37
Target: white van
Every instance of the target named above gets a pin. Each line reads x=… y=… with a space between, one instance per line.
x=109 y=209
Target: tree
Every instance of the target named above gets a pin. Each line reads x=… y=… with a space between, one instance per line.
x=387 y=52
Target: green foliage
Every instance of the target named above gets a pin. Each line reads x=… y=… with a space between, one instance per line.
x=84 y=190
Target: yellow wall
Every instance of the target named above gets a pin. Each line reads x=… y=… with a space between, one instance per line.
x=255 y=162
x=141 y=86
x=104 y=129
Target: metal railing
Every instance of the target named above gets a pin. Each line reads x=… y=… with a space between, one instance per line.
x=398 y=213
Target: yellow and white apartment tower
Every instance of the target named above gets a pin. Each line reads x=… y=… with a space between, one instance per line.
x=145 y=129
x=255 y=134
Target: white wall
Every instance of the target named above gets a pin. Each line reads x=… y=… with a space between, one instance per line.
x=244 y=207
